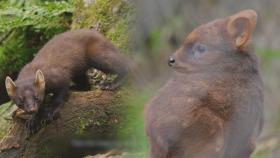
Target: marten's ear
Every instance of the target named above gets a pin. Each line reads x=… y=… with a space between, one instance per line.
x=10 y=86
x=241 y=26
x=40 y=80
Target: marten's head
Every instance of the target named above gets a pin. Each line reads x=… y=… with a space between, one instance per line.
x=221 y=45
x=27 y=94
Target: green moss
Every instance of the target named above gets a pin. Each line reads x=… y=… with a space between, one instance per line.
x=5 y=120
x=112 y=18
x=82 y=125
x=118 y=35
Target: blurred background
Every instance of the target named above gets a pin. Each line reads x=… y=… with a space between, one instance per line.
x=148 y=31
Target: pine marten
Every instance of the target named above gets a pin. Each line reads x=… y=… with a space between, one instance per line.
x=213 y=105
x=65 y=58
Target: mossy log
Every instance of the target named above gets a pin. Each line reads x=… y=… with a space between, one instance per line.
x=92 y=113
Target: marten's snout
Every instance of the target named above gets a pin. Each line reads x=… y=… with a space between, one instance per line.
x=171 y=61
x=31 y=110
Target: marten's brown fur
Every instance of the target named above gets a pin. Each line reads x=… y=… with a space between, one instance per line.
x=63 y=59
x=213 y=106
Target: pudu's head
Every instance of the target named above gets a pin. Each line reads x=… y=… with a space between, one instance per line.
x=220 y=45
x=27 y=94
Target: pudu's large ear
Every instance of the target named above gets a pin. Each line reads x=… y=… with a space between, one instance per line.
x=40 y=80
x=10 y=86
x=241 y=26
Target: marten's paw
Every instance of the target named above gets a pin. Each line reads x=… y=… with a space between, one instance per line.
x=51 y=116
x=20 y=114
x=108 y=86
x=33 y=125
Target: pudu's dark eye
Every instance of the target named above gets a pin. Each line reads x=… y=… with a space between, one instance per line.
x=199 y=49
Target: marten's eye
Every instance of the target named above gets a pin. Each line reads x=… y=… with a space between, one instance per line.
x=20 y=102
x=199 y=49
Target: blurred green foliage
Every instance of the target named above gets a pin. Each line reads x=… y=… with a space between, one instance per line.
x=133 y=120
x=263 y=154
x=45 y=15
x=267 y=54
x=24 y=27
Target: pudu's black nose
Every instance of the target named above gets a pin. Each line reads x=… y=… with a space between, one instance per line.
x=171 y=61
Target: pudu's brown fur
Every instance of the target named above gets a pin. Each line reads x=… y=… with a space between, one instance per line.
x=213 y=106
x=63 y=59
